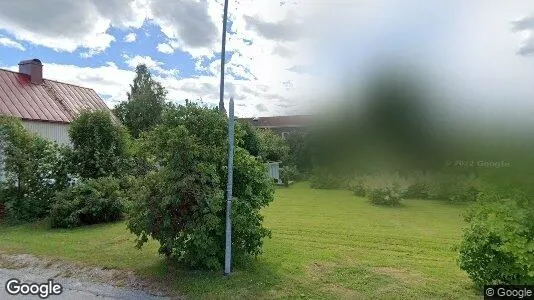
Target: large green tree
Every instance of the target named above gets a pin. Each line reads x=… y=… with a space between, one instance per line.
x=272 y=146
x=251 y=139
x=145 y=105
x=180 y=202
x=33 y=170
x=100 y=146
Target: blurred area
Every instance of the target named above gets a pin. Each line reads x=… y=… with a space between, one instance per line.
x=405 y=86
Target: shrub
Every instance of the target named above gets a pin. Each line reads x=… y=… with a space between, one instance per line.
x=34 y=170
x=418 y=190
x=299 y=151
x=181 y=203
x=251 y=138
x=385 y=190
x=498 y=243
x=88 y=202
x=358 y=186
x=324 y=178
x=456 y=188
x=387 y=195
x=101 y=147
x=288 y=174
x=465 y=191
x=421 y=187
x=2 y=210
x=272 y=146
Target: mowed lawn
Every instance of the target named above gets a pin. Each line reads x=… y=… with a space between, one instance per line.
x=325 y=244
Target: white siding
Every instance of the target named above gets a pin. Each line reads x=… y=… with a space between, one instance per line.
x=56 y=132
x=274 y=171
x=2 y=163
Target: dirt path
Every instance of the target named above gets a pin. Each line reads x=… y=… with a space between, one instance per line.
x=79 y=282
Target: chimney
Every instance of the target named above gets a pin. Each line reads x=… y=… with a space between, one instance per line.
x=33 y=68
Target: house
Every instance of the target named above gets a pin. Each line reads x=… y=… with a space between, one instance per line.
x=281 y=125
x=46 y=107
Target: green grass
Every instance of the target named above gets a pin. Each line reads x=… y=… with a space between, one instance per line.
x=325 y=244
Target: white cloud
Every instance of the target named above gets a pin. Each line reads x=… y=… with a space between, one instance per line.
x=258 y=72
x=66 y=25
x=7 y=42
x=469 y=49
x=165 y=48
x=112 y=83
x=190 y=25
x=130 y=37
x=525 y=26
x=153 y=65
x=133 y=61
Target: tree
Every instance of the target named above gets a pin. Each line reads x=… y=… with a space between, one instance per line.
x=272 y=146
x=145 y=104
x=251 y=139
x=299 y=151
x=100 y=147
x=34 y=169
x=180 y=202
x=498 y=242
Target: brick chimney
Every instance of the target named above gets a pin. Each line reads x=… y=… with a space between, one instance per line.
x=33 y=68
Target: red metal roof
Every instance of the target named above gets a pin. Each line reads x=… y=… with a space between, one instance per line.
x=49 y=101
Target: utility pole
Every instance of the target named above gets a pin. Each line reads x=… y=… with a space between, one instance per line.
x=223 y=58
x=228 y=250
x=228 y=238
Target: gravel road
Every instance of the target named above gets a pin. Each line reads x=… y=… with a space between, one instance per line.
x=79 y=281
x=72 y=288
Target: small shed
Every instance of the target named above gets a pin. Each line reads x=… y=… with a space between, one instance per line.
x=274 y=171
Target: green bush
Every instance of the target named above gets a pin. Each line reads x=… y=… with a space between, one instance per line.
x=88 y=202
x=421 y=187
x=100 y=146
x=456 y=188
x=181 y=202
x=498 y=243
x=299 y=151
x=288 y=174
x=34 y=169
x=385 y=190
x=418 y=190
x=251 y=138
x=2 y=210
x=358 y=187
x=272 y=146
x=323 y=178
x=387 y=195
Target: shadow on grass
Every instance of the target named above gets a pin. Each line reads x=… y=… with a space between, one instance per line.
x=258 y=277
x=45 y=225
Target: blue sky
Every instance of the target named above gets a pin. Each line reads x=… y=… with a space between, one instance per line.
x=97 y=44
x=279 y=60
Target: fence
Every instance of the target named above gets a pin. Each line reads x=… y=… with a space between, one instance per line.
x=274 y=171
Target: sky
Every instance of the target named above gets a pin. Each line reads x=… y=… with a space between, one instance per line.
x=283 y=57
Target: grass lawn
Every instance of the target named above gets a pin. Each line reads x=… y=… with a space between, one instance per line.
x=325 y=244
